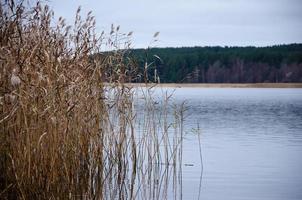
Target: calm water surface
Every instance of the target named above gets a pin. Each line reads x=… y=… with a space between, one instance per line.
x=251 y=143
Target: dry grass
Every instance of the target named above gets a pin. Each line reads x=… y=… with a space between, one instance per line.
x=64 y=133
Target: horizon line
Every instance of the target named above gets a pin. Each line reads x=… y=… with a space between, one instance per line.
x=220 y=46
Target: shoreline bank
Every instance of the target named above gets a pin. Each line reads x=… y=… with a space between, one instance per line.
x=222 y=85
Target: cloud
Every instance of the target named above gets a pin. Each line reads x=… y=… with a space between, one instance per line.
x=197 y=22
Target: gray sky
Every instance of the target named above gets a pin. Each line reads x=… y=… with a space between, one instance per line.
x=195 y=22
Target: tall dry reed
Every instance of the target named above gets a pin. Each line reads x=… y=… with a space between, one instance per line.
x=69 y=122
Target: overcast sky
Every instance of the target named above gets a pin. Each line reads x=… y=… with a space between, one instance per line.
x=195 y=22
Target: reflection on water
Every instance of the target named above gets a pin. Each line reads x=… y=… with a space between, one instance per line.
x=251 y=143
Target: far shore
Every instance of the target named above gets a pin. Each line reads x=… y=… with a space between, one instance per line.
x=223 y=85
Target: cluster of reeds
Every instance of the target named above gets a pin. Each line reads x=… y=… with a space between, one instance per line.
x=70 y=123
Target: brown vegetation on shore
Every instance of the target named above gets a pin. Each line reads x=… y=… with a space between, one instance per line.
x=223 y=85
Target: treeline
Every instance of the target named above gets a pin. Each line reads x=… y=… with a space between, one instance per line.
x=282 y=63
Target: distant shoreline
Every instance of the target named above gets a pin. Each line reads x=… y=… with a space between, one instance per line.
x=223 y=85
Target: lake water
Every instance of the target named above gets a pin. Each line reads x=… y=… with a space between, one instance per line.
x=251 y=143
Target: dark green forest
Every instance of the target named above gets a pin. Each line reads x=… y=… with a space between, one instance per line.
x=281 y=63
